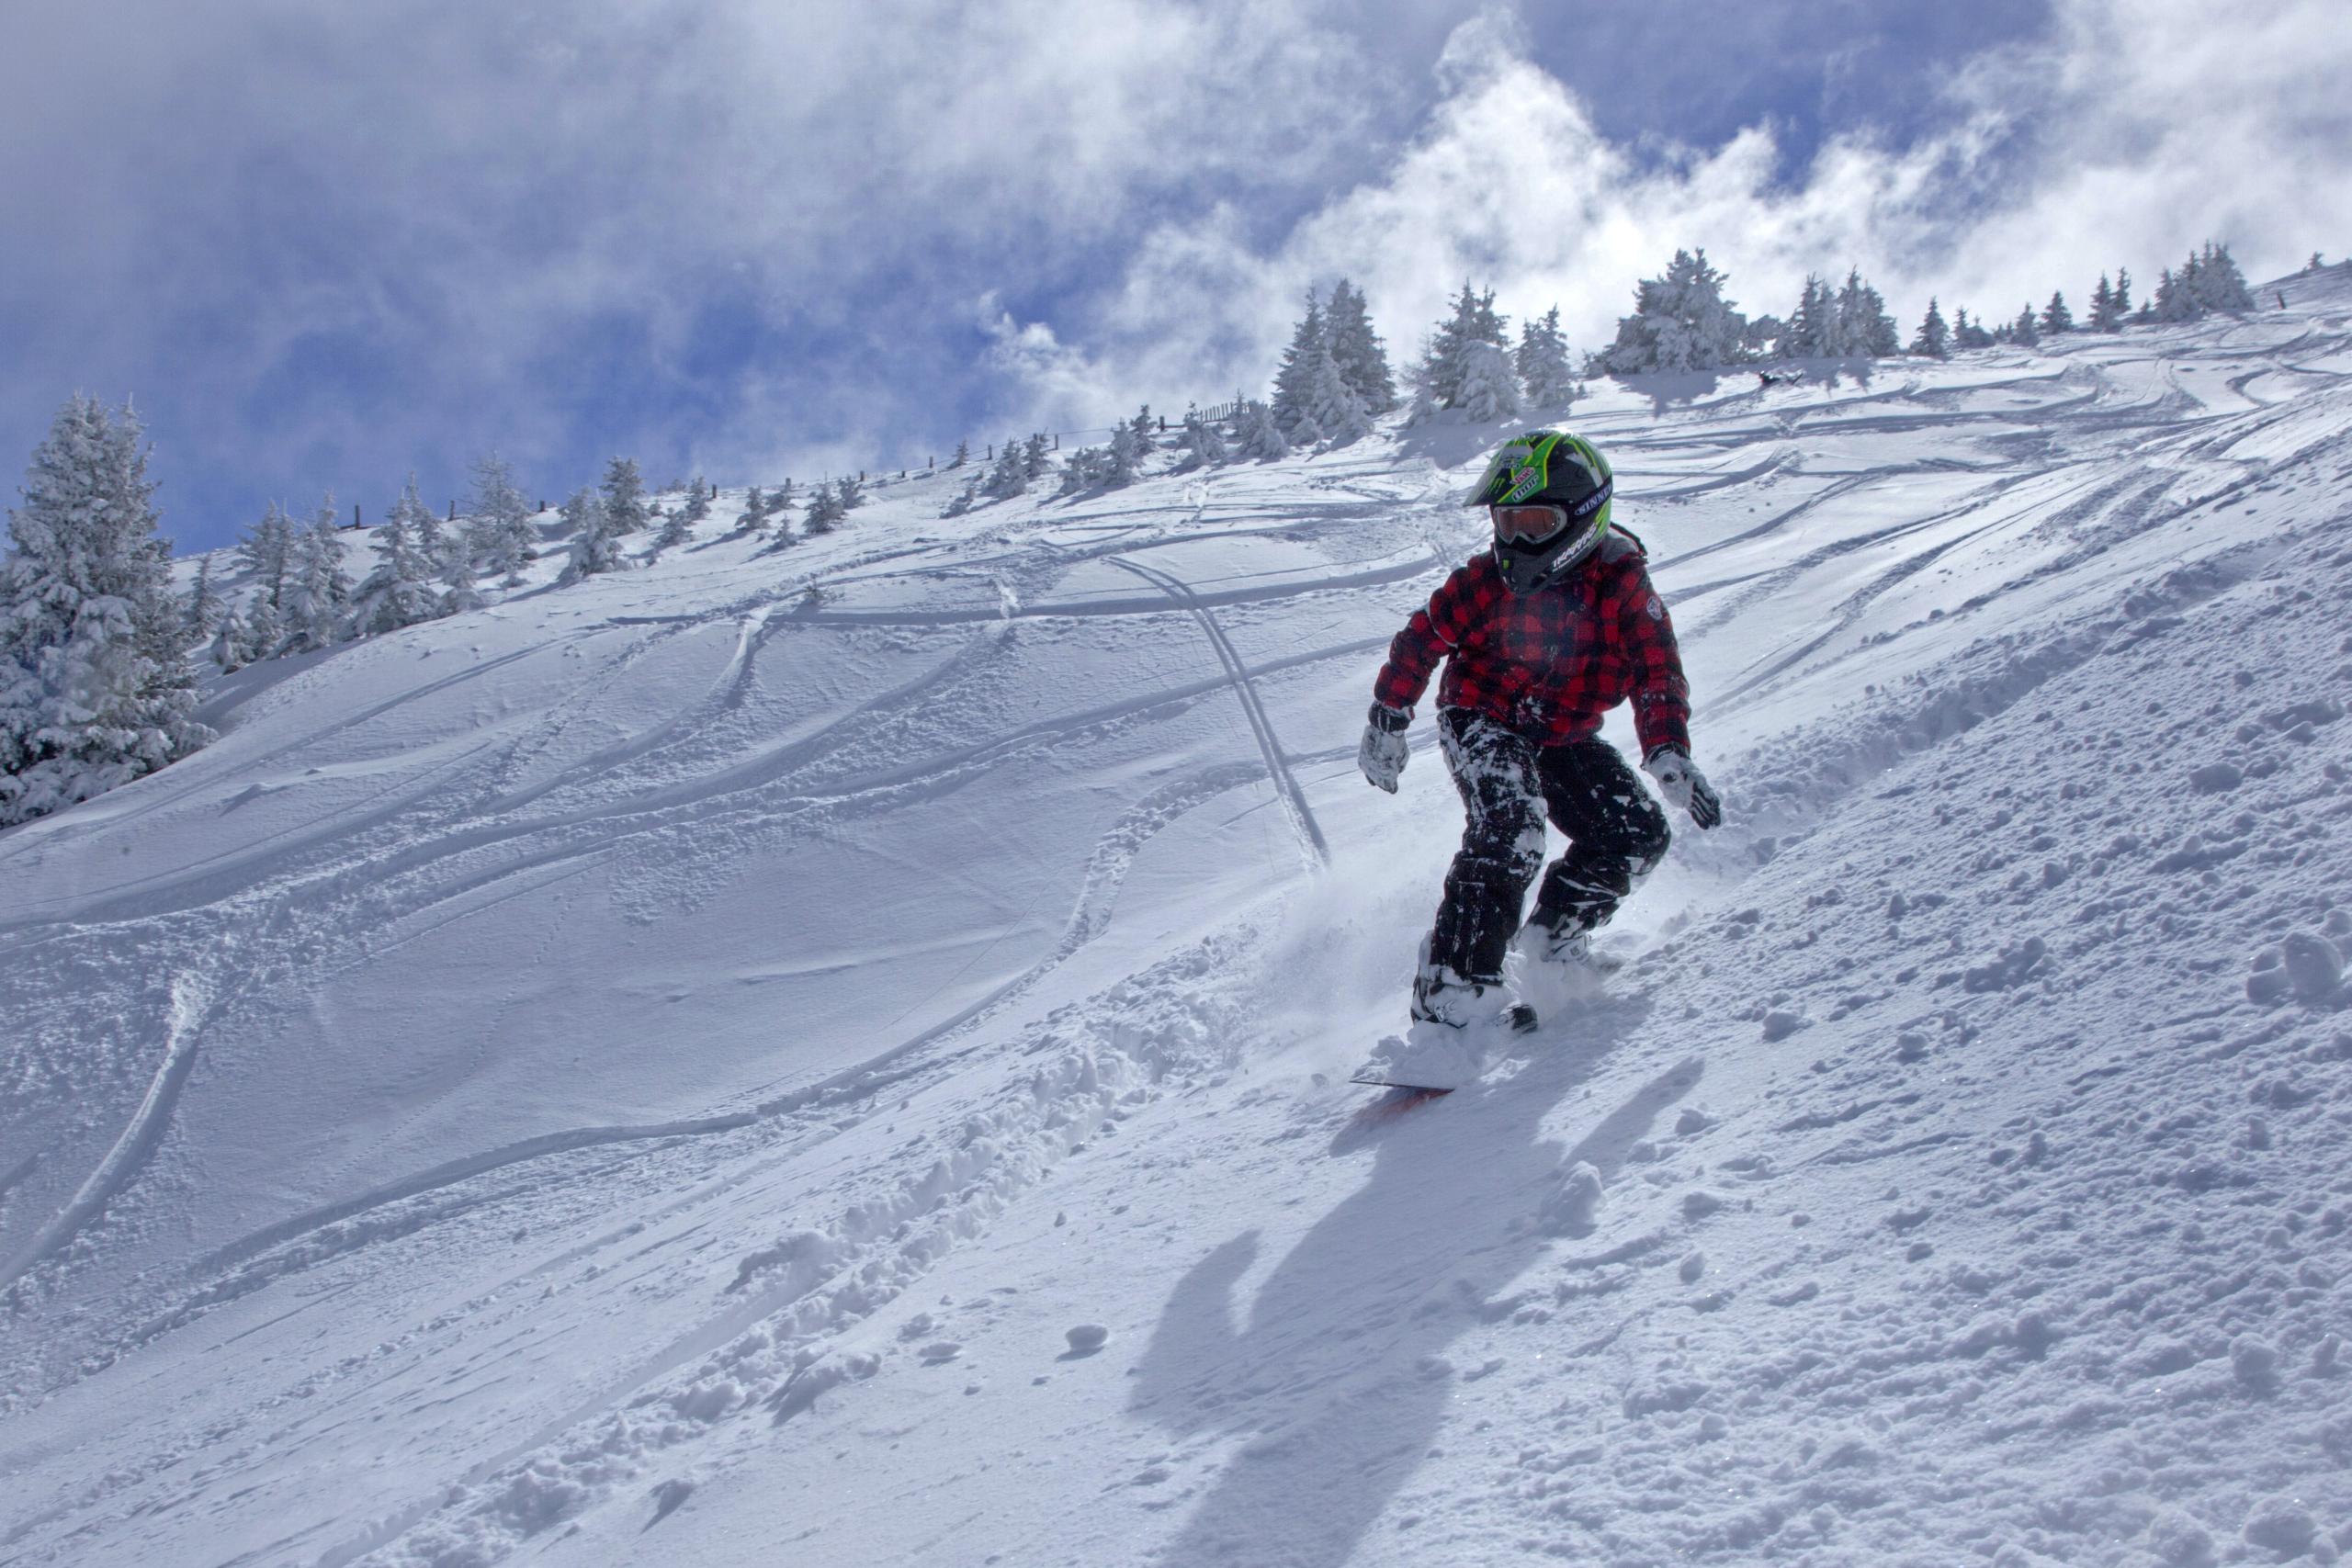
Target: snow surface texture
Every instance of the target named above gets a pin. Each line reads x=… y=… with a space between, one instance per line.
x=835 y=1055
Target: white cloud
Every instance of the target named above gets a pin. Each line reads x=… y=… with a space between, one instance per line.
x=2138 y=129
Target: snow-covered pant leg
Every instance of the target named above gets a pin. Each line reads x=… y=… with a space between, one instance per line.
x=1617 y=834
x=1502 y=842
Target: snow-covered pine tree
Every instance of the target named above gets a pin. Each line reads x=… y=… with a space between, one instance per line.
x=963 y=454
x=784 y=495
x=1489 y=388
x=265 y=551
x=2055 y=317
x=1864 y=329
x=265 y=631
x=1036 y=456
x=1295 y=377
x=595 y=546
x=400 y=592
x=825 y=510
x=1203 y=445
x=1967 y=334
x=754 y=518
x=2024 y=331
x=1258 y=434
x=1124 y=462
x=1142 y=424
x=318 y=590
x=2103 y=316
x=1083 y=470
x=848 y=493
x=1543 y=363
x=1680 y=322
x=1812 y=324
x=2122 y=292
x=623 y=490
x=229 y=649
x=963 y=500
x=499 y=525
x=204 y=610
x=1438 y=378
x=95 y=684
x=2218 y=284
x=1332 y=405
x=1934 y=340
x=1008 y=476
x=1357 y=351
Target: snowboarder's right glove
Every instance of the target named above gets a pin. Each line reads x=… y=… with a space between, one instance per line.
x=1679 y=780
x=1384 y=752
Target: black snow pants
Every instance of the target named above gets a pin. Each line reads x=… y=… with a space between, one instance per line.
x=1509 y=783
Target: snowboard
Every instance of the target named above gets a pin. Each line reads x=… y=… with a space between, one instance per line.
x=1521 y=1018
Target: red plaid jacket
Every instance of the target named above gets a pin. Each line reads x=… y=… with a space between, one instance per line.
x=1552 y=662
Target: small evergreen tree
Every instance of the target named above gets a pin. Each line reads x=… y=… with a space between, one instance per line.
x=1438 y=380
x=1204 y=446
x=2055 y=317
x=963 y=454
x=319 y=595
x=95 y=688
x=204 y=609
x=1865 y=331
x=400 y=592
x=1680 y=322
x=825 y=507
x=2102 y=318
x=2219 y=285
x=1332 y=404
x=624 y=497
x=595 y=544
x=1356 y=350
x=1008 y=476
x=1489 y=388
x=1813 y=325
x=2122 y=292
x=1036 y=456
x=849 y=493
x=1543 y=363
x=1258 y=434
x=753 y=519
x=1293 y=395
x=1084 y=469
x=267 y=550
x=1935 y=339
x=499 y=529
x=2024 y=331
x=963 y=500
x=1126 y=459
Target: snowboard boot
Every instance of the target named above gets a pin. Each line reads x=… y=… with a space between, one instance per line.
x=1455 y=1001
x=1557 y=969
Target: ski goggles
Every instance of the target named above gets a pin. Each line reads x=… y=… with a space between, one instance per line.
x=1533 y=522
x=1527 y=522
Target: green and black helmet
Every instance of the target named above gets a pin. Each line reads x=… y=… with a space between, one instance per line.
x=1548 y=493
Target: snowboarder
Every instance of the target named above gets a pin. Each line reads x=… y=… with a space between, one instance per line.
x=1542 y=633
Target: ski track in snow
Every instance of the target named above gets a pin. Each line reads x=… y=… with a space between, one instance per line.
x=1954 y=1175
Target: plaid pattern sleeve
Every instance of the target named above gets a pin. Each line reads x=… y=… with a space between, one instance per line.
x=1434 y=631
x=1661 y=696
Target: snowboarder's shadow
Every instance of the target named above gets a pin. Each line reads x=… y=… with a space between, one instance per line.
x=1338 y=1375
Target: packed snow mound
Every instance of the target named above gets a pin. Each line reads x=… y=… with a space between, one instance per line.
x=565 y=1080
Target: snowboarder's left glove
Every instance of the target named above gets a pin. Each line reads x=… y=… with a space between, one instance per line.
x=1383 y=753
x=1679 y=780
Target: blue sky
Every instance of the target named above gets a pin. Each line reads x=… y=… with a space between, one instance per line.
x=324 y=245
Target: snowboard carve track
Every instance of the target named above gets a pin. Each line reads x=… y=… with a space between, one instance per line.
x=1295 y=805
x=146 y=1128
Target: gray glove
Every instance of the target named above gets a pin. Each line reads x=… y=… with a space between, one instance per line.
x=1383 y=753
x=1679 y=780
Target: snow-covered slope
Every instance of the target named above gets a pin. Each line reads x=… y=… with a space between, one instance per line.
x=655 y=1070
